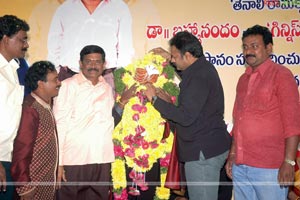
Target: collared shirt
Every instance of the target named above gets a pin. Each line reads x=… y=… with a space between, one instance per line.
x=266 y=112
x=10 y=106
x=73 y=27
x=83 y=114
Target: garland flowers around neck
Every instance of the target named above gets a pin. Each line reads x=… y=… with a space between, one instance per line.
x=138 y=138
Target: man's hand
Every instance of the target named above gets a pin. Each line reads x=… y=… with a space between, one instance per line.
x=126 y=95
x=60 y=177
x=150 y=91
x=160 y=51
x=229 y=163
x=29 y=195
x=2 y=178
x=286 y=174
x=163 y=95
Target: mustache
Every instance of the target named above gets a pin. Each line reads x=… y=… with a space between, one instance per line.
x=250 y=55
x=25 y=49
x=93 y=69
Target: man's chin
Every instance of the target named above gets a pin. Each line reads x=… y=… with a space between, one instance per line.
x=22 y=55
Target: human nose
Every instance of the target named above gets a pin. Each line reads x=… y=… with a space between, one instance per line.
x=26 y=44
x=172 y=59
x=58 y=82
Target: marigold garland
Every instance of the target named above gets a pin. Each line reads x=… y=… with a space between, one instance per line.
x=138 y=137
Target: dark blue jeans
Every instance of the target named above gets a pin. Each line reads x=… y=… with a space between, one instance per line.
x=252 y=183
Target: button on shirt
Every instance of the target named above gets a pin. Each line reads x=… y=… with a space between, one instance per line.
x=83 y=114
x=266 y=112
x=10 y=106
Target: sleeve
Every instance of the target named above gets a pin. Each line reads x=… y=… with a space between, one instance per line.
x=117 y=114
x=172 y=126
x=62 y=110
x=192 y=99
x=125 y=48
x=23 y=150
x=10 y=108
x=234 y=113
x=55 y=37
x=289 y=103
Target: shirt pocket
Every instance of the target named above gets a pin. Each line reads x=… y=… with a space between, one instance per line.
x=263 y=99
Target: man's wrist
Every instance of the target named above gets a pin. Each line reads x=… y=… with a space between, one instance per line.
x=291 y=162
x=153 y=99
x=118 y=108
x=121 y=103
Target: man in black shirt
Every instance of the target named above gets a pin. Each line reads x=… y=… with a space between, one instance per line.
x=202 y=139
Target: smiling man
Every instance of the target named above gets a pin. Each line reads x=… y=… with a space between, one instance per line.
x=35 y=154
x=13 y=44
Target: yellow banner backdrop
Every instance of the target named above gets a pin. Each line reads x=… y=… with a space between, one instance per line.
x=218 y=25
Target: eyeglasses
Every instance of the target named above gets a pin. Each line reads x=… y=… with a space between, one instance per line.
x=92 y=62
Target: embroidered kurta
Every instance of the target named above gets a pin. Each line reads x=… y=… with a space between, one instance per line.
x=35 y=154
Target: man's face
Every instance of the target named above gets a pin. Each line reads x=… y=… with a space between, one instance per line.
x=178 y=60
x=52 y=85
x=17 y=45
x=92 y=66
x=255 y=51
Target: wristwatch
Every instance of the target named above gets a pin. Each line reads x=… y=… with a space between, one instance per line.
x=291 y=162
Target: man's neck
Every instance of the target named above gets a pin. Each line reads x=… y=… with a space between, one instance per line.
x=42 y=95
x=5 y=54
x=91 y=5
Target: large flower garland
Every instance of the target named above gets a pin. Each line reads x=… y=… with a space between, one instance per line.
x=138 y=137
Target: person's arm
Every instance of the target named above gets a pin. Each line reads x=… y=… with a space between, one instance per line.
x=286 y=171
x=191 y=102
x=23 y=151
x=62 y=110
x=119 y=106
x=162 y=52
x=117 y=112
x=125 y=49
x=61 y=176
x=232 y=153
x=230 y=160
x=2 y=178
x=55 y=37
x=287 y=93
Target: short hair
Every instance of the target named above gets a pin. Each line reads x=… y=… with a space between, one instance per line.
x=92 y=49
x=187 y=42
x=259 y=30
x=38 y=72
x=10 y=25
